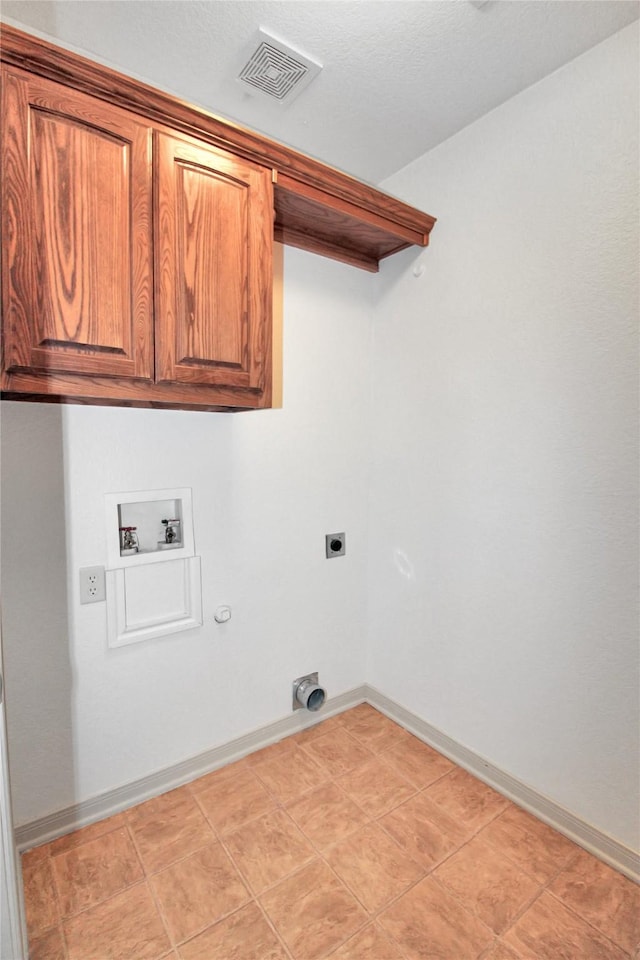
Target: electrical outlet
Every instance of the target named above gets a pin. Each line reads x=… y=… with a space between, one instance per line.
x=92 y=588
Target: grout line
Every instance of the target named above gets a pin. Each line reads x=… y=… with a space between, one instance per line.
x=474 y=913
x=74 y=846
x=254 y=896
x=372 y=916
x=163 y=919
x=61 y=927
x=517 y=863
x=65 y=943
x=150 y=888
x=250 y=819
x=583 y=919
x=273 y=927
x=544 y=887
x=149 y=874
x=241 y=873
x=56 y=890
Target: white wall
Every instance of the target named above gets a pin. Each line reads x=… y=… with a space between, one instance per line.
x=267 y=486
x=504 y=572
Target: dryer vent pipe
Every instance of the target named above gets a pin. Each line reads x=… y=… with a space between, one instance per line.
x=307 y=693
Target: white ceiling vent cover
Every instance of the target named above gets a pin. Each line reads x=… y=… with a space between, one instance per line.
x=276 y=70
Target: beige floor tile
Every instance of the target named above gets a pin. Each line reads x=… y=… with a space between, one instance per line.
x=372 y=943
x=337 y=752
x=429 y=924
x=372 y=728
x=487 y=884
x=159 y=806
x=198 y=891
x=168 y=828
x=423 y=830
x=313 y=912
x=376 y=787
x=96 y=870
x=467 y=799
x=48 y=946
x=535 y=847
x=245 y=935
x=549 y=931
x=327 y=815
x=85 y=834
x=230 y=803
x=373 y=867
x=217 y=776
x=268 y=849
x=40 y=902
x=126 y=927
x=417 y=762
x=36 y=855
x=290 y=776
x=318 y=730
x=603 y=897
x=500 y=951
x=279 y=749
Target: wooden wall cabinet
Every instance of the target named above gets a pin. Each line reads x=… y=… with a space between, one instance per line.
x=138 y=238
x=138 y=266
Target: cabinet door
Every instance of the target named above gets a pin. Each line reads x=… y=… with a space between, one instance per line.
x=77 y=259
x=214 y=237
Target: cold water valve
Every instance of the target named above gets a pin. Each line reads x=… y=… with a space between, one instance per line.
x=171 y=531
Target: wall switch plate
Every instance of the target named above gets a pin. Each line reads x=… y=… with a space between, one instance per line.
x=92 y=587
x=335 y=544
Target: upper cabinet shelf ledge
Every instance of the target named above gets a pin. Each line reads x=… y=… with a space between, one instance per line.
x=317 y=208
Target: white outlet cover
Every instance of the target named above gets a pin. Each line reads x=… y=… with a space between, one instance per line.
x=92 y=584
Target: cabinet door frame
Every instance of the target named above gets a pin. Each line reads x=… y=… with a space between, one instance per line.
x=177 y=157
x=74 y=347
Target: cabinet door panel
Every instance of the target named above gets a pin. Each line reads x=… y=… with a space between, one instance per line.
x=209 y=207
x=77 y=204
x=214 y=252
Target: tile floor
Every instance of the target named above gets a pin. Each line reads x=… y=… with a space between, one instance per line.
x=352 y=840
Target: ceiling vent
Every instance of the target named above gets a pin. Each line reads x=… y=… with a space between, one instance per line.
x=276 y=70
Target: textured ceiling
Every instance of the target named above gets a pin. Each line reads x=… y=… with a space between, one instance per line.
x=399 y=76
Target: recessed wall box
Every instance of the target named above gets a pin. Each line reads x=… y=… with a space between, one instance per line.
x=149 y=526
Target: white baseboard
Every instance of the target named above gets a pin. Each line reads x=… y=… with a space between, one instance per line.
x=601 y=845
x=78 y=815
